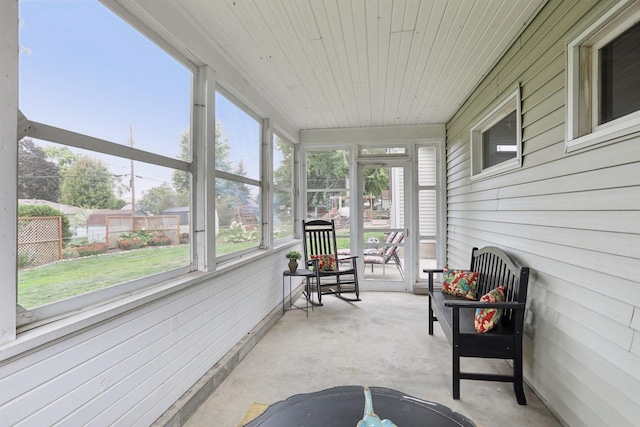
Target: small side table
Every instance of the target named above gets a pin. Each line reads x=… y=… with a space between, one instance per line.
x=300 y=272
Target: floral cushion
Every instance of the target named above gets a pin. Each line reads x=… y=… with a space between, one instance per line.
x=326 y=262
x=487 y=318
x=460 y=282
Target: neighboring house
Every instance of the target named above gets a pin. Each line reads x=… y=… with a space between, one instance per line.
x=68 y=210
x=97 y=223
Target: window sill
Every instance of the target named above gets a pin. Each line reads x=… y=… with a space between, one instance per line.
x=626 y=129
x=498 y=169
x=43 y=335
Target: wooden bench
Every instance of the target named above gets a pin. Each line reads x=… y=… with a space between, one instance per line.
x=456 y=317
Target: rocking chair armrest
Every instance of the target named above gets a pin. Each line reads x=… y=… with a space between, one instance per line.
x=314 y=263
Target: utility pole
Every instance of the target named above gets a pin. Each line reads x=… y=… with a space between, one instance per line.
x=132 y=181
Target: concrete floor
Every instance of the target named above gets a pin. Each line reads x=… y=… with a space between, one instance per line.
x=381 y=341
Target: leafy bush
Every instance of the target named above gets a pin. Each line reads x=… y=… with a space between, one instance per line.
x=70 y=253
x=128 y=244
x=25 y=260
x=238 y=233
x=159 y=241
x=93 y=249
x=144 y=235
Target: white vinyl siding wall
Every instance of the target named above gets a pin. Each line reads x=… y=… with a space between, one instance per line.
x=574 y=218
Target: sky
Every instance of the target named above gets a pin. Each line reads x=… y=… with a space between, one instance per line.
x=82 y=68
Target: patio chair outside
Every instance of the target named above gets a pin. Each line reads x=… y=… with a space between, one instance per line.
x=389 y=254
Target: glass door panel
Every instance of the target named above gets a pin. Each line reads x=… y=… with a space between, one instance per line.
x=383 y=223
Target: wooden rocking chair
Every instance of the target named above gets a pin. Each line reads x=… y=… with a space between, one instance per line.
x=320 y=249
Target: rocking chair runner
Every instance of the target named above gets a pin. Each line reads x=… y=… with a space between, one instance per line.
x=335 y=278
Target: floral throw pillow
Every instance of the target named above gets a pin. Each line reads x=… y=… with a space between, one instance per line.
x=460 y=282
x=326 y=262
x=487 y=318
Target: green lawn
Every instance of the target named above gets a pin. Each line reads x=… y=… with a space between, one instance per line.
x=54 y=282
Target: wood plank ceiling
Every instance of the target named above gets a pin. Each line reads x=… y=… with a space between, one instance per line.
x=358 y=63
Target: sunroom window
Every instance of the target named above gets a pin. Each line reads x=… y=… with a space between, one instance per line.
x=283 y=214
x=238 y=178
x=604 y=73
x=103 y=161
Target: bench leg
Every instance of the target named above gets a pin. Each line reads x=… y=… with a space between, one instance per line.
x=430 y=317
x=456 y=372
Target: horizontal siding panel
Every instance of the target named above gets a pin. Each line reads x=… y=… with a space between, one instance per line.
x=554 y=136
x=552 y=119
x=608 y=199
x=621 y=410
x=618 y=334
x=611 y=221
x=610 y=178
x=545 y=79
x=559 y=273
x=552 y=103
x=616 y=266
x=625 y=360
x=622 y=244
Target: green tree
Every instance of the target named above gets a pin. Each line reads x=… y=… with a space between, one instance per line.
x=325 y=170
x=181 y=180
x=283 y=175
x=62 y=156
x=161 y=197
x=44 y=210
x=375 y=180
x=38 y=178
x=89 y=184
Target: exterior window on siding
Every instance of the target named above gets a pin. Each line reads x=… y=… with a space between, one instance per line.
x=496 y=141
x=283 y=152
x=620 y=77
x=499 y=142
x=103 y=159
x=238 y=184
x=603 y=76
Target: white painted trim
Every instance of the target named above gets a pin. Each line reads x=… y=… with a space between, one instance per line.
x=512 y=102
x=266 y=195
x=9 y=166
x=613 y=22
x=86 y=142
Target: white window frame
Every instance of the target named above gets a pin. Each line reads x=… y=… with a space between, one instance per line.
x=275 y=187
x=507 y=106
x=614 y=22
x=249 y=181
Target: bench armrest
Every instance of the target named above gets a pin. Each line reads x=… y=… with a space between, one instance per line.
x=431 y=273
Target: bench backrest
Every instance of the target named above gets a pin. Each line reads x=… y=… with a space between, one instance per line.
x=495 y=269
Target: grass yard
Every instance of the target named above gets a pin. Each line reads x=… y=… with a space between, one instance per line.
x=60 y=280
x=57 y=281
